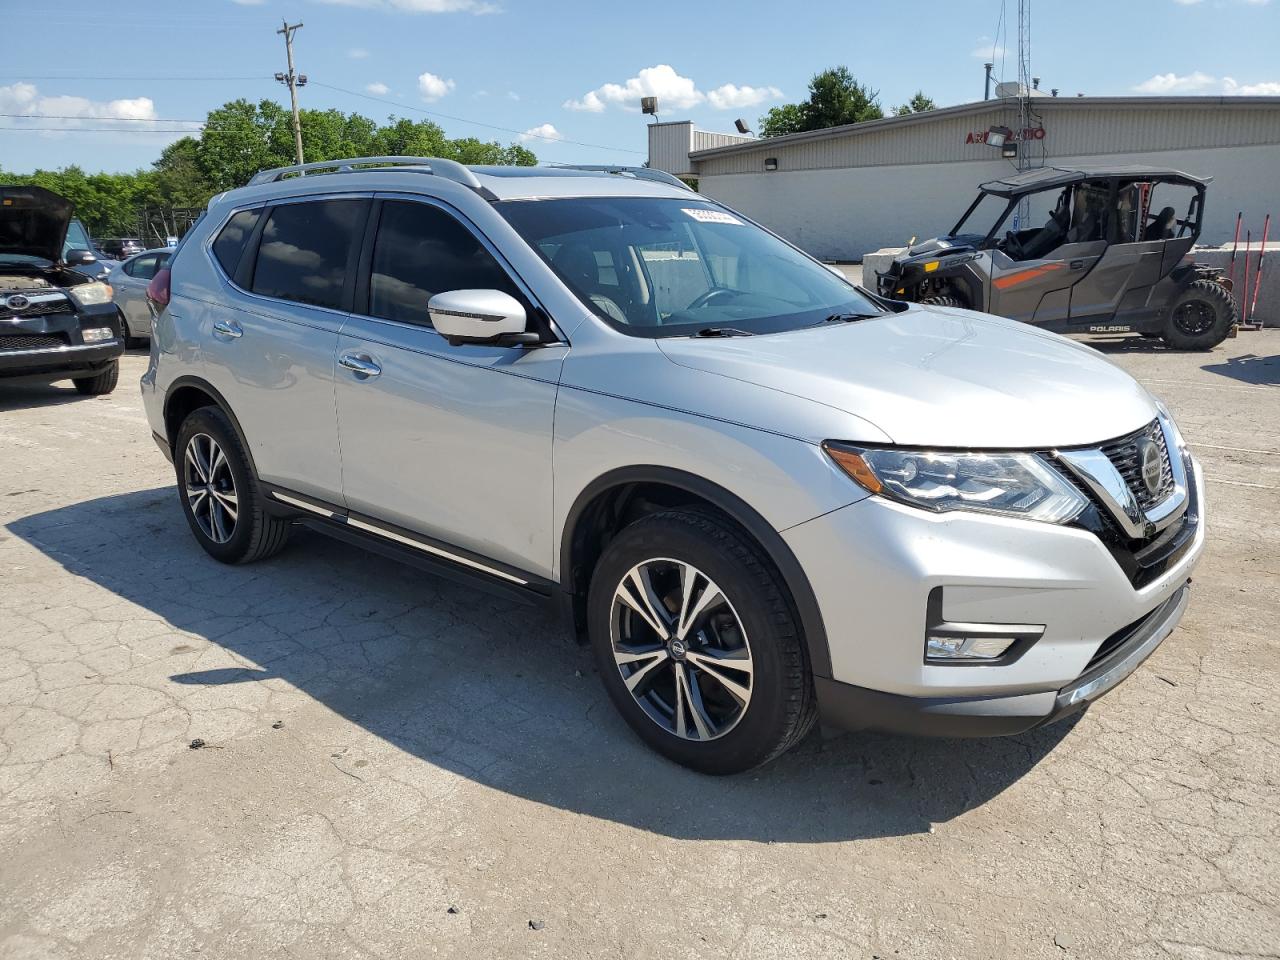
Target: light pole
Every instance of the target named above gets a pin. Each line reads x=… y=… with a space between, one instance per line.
x=293 y=81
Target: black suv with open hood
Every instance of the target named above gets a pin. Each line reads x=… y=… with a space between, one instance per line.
x=55 y=323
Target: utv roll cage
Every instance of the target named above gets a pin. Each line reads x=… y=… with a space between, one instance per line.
x=1014 y=188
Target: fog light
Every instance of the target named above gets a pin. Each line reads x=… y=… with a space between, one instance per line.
x=97 y=334
x=967 y=648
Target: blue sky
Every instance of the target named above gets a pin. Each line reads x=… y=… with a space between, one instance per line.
x=573 y=71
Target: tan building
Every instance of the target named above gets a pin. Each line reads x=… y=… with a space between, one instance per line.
x=845 y=191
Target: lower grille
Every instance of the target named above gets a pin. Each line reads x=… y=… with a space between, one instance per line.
x=31 y=341
x=1126 y=455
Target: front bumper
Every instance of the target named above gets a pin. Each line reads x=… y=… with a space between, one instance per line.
x=856 y=708
x=874 y=564
x=67 y=361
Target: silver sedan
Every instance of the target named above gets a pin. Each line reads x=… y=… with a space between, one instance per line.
x=129 y=281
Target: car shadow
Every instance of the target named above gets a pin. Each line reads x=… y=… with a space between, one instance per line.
x=493 y=689
x=1249 y=368
x=25 y=396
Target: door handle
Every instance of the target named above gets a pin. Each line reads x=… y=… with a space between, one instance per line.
x=228 y=328
x=360 y=364
x=1077 y=264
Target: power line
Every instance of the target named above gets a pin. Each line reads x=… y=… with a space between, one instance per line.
x=62 y=116
x=76 y=76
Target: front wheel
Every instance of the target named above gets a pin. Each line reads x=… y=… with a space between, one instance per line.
x=100 y=383
x=697 y=644
x=943 y=301
x=1201 y=317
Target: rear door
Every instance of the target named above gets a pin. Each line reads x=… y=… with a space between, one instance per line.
x=448 y=442
x=269 y=349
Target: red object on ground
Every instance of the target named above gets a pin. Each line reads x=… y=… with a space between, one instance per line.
x=1244 y=290
x=1257 y=277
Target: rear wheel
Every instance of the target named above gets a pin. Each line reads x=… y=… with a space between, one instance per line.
x=100 y=383
x=1200 y=318
x=220 y=495
x=697 y=645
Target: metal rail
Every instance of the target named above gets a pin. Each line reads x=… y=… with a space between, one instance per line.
x=640 y=173
x=437 y=166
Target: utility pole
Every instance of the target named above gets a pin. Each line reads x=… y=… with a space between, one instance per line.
x=293 y=81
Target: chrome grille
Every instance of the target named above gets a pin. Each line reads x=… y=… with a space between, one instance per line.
x=31 y=341
x=1125 y=455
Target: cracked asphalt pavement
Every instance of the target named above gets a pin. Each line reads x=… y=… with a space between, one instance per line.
x=398 y=766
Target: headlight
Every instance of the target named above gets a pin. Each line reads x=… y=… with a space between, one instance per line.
x=1008 y=484
x=88 y=294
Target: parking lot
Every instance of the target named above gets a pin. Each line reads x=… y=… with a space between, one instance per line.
x=397 y=766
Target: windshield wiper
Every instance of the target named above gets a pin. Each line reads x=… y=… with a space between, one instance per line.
x=849 y=317
x=722 y=332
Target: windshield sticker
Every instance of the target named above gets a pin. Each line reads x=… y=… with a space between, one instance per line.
x=711 y=216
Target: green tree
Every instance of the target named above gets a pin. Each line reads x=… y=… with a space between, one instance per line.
x=239 y=139
x=835 y=99
x=917 y=104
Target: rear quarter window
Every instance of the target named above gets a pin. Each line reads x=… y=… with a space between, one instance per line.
x=231 y=241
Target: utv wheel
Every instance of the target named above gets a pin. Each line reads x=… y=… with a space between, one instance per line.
x=943 y=301
x=220 y=495
x=1200 y=318
x=101 y=383
x=697 y=644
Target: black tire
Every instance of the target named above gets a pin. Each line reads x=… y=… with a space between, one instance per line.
x=255 y=534
x=137 y=343
x=100 y=383
x=781 y=708
x=943 y=302
x=1200 y=318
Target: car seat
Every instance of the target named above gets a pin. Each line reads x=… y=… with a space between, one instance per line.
x=577 y=264
x=1161 y=228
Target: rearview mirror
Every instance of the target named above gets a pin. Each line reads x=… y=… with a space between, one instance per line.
x=480 y=316
x=78 y=257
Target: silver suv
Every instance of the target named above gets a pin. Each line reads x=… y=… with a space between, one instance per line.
x=762 y=494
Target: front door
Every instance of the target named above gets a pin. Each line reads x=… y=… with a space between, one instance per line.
x=451 y=443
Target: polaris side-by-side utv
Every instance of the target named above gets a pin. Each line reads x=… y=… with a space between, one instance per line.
x=1083 y=250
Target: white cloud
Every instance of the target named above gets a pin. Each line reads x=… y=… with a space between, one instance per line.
x=1198 y=82
x=357 y=53
x=432 y=87
x=543 y=131
x=1168 y=83
x=730 y=96
x=377 y=89
x=512 y=95
x=249 y=3
x=71 y=112
x=674 y=92
x=1187 y=3
x=988 y=50
x=1264 y=89
x=477 y=7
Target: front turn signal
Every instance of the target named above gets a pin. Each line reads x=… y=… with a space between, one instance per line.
x=853 y=464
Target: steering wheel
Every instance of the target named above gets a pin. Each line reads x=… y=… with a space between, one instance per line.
x=1013 y=246
x=705 y=298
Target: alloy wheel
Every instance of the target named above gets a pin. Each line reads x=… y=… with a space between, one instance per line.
x=210 y=488
x=681 y=649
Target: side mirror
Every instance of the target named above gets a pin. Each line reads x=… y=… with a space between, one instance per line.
x=480 y=316
x=79 y=257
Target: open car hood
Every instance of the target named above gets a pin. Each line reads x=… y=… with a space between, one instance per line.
x=33 y=222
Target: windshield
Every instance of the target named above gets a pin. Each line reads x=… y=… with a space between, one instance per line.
x=982 y=216
x=662 y=268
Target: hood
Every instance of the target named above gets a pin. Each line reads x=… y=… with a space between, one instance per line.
x=934 y=376
x=945 y=245
x=33 y=222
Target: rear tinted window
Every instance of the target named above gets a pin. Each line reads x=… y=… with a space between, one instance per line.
x=230 y=243
x=420 y=251
x=144 y=268
x=305 y=249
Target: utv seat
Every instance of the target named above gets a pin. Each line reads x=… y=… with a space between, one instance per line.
x=1050 y=236
x=1161 y=228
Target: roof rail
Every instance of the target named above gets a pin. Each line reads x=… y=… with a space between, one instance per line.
x=438 y=166
x=640 y=173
